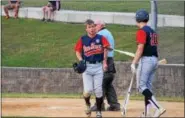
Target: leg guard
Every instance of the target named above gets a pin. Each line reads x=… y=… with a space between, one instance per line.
x=87 y=98
x=99 y=102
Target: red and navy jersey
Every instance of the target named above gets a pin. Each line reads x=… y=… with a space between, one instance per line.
x=149 y=38
x=92 y=49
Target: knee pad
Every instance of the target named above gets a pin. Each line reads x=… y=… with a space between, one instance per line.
x=147 y=93
x=86 y=94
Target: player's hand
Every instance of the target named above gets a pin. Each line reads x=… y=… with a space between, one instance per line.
x=133 y=68
x=105 y=66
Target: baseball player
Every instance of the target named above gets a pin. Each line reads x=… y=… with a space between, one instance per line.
x=147 y=58
x=92 y=49
x=108 y=88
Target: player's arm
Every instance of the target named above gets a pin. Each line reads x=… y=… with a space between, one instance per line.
x=141 y=40
x=139 y=52
x=106 y=46
x=79 y=56
x=78 y=49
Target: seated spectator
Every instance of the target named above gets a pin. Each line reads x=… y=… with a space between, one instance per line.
x=12 y=5
x=50 y=8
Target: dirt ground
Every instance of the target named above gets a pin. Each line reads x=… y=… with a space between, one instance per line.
x=55 y=107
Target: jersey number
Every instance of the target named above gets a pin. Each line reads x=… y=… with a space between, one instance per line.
x=153 y=41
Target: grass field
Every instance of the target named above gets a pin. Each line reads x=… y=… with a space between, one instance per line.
x=32 y=43
x=79 y=96
x=164 y=7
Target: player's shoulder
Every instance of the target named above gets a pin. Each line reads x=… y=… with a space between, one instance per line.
x=84 y=36
x=147 y=29
x=139 y=31
x=104 y=31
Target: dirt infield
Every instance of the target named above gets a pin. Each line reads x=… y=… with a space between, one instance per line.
x=56 y=107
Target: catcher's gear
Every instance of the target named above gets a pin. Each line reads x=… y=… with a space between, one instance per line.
x=142 y=15
x=79 y=67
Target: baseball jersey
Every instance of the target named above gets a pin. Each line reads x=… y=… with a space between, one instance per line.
x=148 y=37
x=92 y=49
x=107 y=34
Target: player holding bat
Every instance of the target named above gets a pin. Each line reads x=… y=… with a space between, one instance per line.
x=146 y=57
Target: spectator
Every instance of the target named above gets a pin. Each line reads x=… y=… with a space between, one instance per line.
x=12 y=4
x=49 y=9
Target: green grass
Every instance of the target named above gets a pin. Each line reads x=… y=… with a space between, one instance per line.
x=32 y=43
x=164 y=7
x=79 y=96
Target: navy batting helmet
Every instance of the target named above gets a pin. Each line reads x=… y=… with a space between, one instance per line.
x=79 y=67
x=142 y=16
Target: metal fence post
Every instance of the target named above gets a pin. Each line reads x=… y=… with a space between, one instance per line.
x=154 y=15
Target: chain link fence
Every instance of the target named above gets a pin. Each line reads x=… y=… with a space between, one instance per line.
x=171 y=39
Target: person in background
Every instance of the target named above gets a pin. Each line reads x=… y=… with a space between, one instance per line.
x=49 y=9
x=108 y=88
x=12 y=5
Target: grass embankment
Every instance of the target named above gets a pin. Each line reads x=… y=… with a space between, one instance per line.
x=32 y=43
x=164 y=7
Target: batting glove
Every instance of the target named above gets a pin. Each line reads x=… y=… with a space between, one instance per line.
x=133 y=68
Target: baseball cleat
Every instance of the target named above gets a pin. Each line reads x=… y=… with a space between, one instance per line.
x=159 y=112
x=98 y=114
x=88 y=110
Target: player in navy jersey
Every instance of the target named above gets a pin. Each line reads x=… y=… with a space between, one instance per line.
x=147 y=58
x=49 y=9
x=92 y=50
x=12 y=4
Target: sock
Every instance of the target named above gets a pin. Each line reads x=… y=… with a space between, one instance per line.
x=87 y=100
x=154 y=103
x=147 y=106
x=99 y=102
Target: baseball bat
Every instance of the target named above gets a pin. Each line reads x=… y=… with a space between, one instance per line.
x=124 y=108
x=125 y=52
x=162 y=61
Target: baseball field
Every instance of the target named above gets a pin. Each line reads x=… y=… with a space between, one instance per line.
x=65 y=105
x=32 y=43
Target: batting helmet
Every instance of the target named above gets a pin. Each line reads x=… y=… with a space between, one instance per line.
x=79 y=67
x=142 y=16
